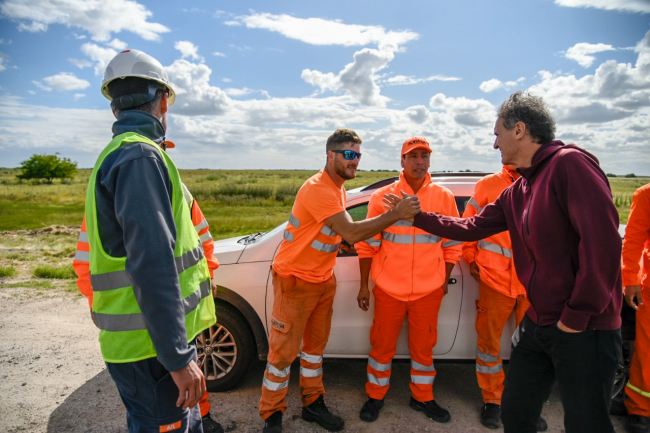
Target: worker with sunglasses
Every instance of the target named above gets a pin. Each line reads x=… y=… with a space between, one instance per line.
x=410 y=268
x=304 y=283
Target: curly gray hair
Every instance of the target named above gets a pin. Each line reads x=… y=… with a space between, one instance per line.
x=524 y=107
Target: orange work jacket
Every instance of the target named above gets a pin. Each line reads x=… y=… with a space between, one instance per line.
x=409 y=263
x=81 y=262
x=493 y=255
x=636 y=244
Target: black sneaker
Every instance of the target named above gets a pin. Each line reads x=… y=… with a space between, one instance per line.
x=273 y=424
x=430 y=409
x=370 y=409
x=317 y=411
x=210 y=425
x=541 y=424
x=637 y=424
x=491 y=415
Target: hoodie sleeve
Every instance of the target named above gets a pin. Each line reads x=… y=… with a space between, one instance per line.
x=583 y=192
x=470 y=248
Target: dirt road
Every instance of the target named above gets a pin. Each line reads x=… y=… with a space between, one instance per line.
x=52 y=379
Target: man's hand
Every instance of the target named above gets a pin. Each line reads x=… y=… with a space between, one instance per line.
x=562 y=327
x=475 y=271
x=190 y=383
x=363 y=298
x=406 y=206
x=214 y=288
x=630 y=292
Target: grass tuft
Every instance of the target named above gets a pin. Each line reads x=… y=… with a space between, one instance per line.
x=7 y=271
x=60 y=273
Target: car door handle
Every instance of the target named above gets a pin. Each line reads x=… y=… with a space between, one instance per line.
x=452 y=281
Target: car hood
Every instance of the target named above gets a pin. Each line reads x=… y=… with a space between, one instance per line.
x=228 y=251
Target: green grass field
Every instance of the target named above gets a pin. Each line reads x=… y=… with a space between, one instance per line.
x=235 y=202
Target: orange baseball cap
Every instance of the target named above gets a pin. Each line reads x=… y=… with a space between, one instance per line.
x=415 y=143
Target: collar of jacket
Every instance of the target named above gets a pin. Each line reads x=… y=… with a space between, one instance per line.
x=509 y=173
x=407 y=188
x=141 y=123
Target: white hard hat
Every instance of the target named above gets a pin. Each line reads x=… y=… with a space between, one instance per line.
x=134 y=63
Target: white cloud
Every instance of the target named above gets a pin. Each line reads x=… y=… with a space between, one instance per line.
x=238 y=92
x=467 y=112
x=188 y=49
x=66 y=81
x=403 y=80
x=495 y=84
x=99 y=18
x=218 y=54
x=642 y=6
x=5 y=41
x=318 y=31
x=226 y=80
x=117 y=44
x=78 y=96
x=4 y=59
x=100 y=55
x=41 y=86
x=194 y=93
x=80 y=37
x=80 y=63
x=417 y=114
x=582 y=51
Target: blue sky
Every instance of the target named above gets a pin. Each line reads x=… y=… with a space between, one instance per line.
x=261 y=85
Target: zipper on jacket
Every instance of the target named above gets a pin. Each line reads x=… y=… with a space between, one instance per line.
x=527 y=229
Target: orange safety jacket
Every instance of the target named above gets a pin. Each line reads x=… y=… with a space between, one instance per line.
x=636 y=244
x=409 y=263
x=493 y=255
x=81 y=262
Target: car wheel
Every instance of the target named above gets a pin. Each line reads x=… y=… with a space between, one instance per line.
x=225 y=349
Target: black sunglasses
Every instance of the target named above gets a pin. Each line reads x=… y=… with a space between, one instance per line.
x=348 y=154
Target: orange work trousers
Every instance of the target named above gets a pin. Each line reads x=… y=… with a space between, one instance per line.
x=301 y=311
x=423 y=334
x=492 y=312
x=637 y=391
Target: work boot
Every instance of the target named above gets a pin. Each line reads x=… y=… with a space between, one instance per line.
x=491 y=415
x=317 y=411
x=637 y=424
x=273 y=424
x=210 y=425
x=541 y=424
x=430 y=409
x=370 y=409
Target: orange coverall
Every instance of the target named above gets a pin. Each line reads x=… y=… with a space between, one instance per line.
x=636 y=270
x=303 y=286
x=81 y=263
x=500 y=291
x=409 y=270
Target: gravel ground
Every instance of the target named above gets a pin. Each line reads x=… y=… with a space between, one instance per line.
x=52 y=379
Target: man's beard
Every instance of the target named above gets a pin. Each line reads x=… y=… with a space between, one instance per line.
x=340 y=170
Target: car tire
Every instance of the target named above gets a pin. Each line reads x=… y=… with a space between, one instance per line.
x=225 y=349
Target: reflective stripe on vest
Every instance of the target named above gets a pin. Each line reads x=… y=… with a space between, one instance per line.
x=420 y=367
x=408 y=239
x=135 y=321
x=403 y=223
x=277 y=372
x=205 y=237
x=200 y=226
x=188 y=196
x=451 y=243
x=274 y=386
x=634 y=388
x=489 y=370
x=423 y=380
x=495 y=248
x=327 y=231
x=486 y=357
x=325 y=248
x=472 y=202
x=312 y=359
x=82 y=256
x=373 y=242
x=311 y=372
x=124 y=336
x=379 y=381
x=294 y=221
x=288 y=236
x=378 y=366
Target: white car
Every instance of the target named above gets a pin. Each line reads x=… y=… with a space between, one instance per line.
x=244 y=300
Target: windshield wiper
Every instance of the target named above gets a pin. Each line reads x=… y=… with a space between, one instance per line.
x=246 y=240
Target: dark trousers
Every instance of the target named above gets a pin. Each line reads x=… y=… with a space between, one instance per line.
x=149 y=395
x=583 y=364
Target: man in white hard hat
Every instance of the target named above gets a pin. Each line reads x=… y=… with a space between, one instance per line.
x=150 y=279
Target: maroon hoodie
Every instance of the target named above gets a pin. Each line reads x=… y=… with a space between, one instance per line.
x=565 y=240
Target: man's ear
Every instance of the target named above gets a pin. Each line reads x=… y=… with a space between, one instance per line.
x=520 y=130
x=163 y=103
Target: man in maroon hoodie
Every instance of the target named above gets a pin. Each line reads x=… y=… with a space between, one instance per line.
x=566 y=247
